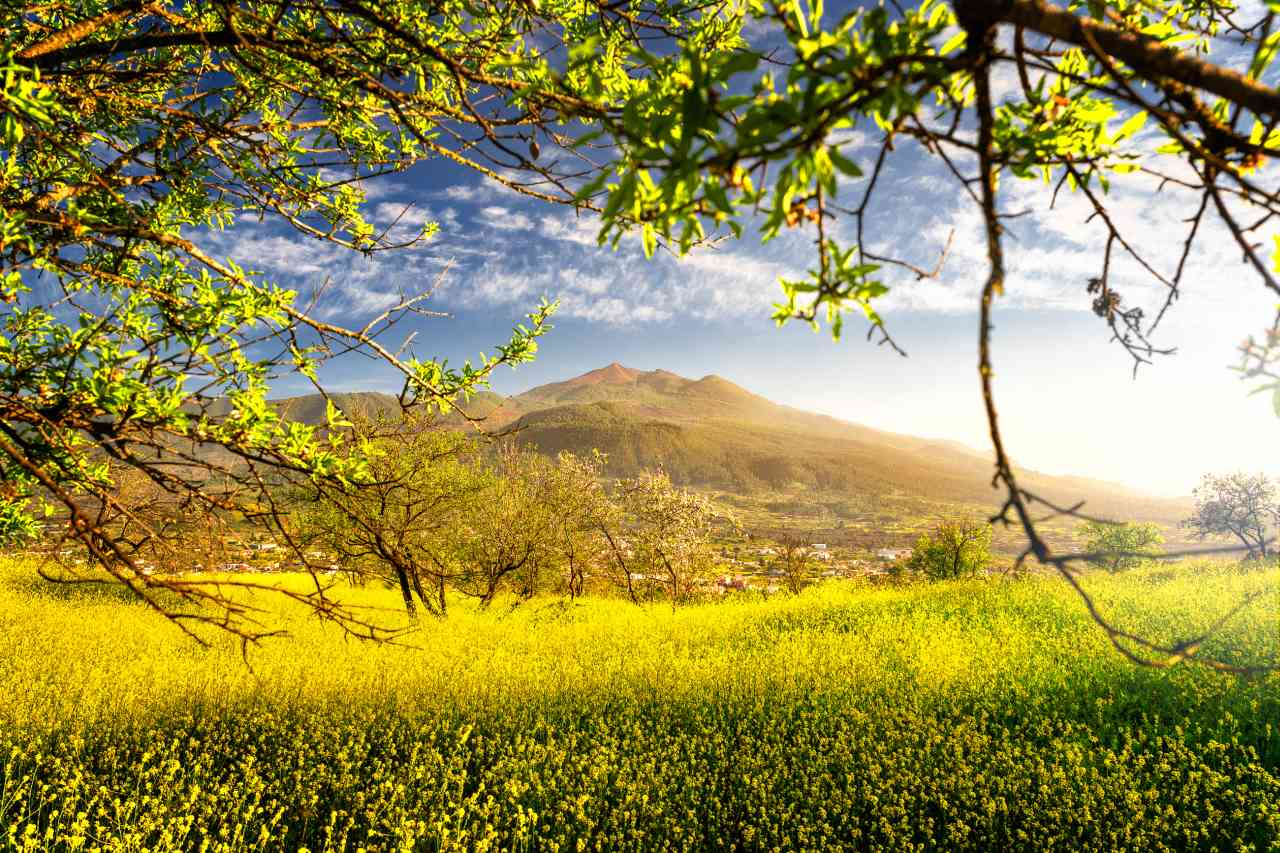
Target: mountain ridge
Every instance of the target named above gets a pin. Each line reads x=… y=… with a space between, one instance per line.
x=711 y=432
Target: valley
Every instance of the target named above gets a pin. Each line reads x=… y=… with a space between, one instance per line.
x=779 y=469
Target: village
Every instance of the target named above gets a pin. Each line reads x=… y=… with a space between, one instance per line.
x=761 y=568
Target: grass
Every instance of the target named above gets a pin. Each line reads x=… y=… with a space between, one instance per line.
x=975 y=715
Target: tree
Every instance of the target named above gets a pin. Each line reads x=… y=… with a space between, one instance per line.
x=1241 y=505
x=667 y=533
x=583 y=513
x=133 y=131
x=794 y=559
x=421 y=482
x=443 y=511
x=508 y=533
x=1121 y=546
x=955 y=549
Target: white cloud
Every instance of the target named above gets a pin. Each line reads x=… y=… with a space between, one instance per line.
x=504 y=219
x=508 y=250
x=570 y=228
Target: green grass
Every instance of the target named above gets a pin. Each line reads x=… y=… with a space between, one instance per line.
x=979 y=715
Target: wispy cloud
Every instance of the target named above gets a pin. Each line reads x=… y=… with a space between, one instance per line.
x=504 y=219
x=507 y=250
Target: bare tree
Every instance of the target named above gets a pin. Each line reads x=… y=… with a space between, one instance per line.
x=794 y=558
x=1241 y=505
x=668 y=533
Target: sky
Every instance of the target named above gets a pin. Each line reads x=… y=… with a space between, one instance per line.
x=1069 y=400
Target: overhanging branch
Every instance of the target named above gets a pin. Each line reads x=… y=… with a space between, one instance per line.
x=1147 y=56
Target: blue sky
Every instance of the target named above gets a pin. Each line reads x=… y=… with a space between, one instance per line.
x=1069 y=401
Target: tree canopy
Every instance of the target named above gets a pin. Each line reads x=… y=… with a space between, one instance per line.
x=1243 y=506
x=955 y=549
x=1120 y=546
x=132 y=129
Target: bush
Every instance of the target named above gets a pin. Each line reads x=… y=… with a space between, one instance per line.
x=1120 y=546
x=955 y=549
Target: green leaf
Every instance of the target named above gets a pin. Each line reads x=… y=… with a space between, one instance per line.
x=1132 y=125
x=952 y=44
x=649 y=240
x=844 y=164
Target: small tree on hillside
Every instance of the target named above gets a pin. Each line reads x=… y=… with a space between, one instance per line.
x=667 y=530
x=794 y=559
x=956 y=548
x=1241 y=505
x=421 y=482
x=506 y=537
x=1121 y=546
x=583 y=511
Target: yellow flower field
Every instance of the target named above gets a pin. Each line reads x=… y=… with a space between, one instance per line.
x=987 y=714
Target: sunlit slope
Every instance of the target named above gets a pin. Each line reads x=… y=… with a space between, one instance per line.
x=712 y=433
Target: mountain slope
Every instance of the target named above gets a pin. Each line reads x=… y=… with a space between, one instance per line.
x=712 y=433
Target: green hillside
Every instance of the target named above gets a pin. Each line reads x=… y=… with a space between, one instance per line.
x=713 y=434
x=710 y=432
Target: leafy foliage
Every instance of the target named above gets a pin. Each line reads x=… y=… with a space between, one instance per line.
x=725 y=137
x=1121 y=546
x=420 y=484
x=956 y=548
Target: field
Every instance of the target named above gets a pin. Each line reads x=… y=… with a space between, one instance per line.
x=980 y=715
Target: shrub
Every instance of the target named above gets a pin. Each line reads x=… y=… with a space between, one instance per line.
x=956 y=548
x=1121 y=546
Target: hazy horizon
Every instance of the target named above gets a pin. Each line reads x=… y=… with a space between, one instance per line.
x=1069 y=403
x=933 y=393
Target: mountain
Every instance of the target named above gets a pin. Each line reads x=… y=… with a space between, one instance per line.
x=714 y=434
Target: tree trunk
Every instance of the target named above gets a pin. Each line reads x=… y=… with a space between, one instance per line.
x=622 y=564
x=487 y=598
x=417 y=588
x=407 y=593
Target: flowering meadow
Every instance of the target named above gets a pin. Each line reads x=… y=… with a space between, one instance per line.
x=971 y=715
